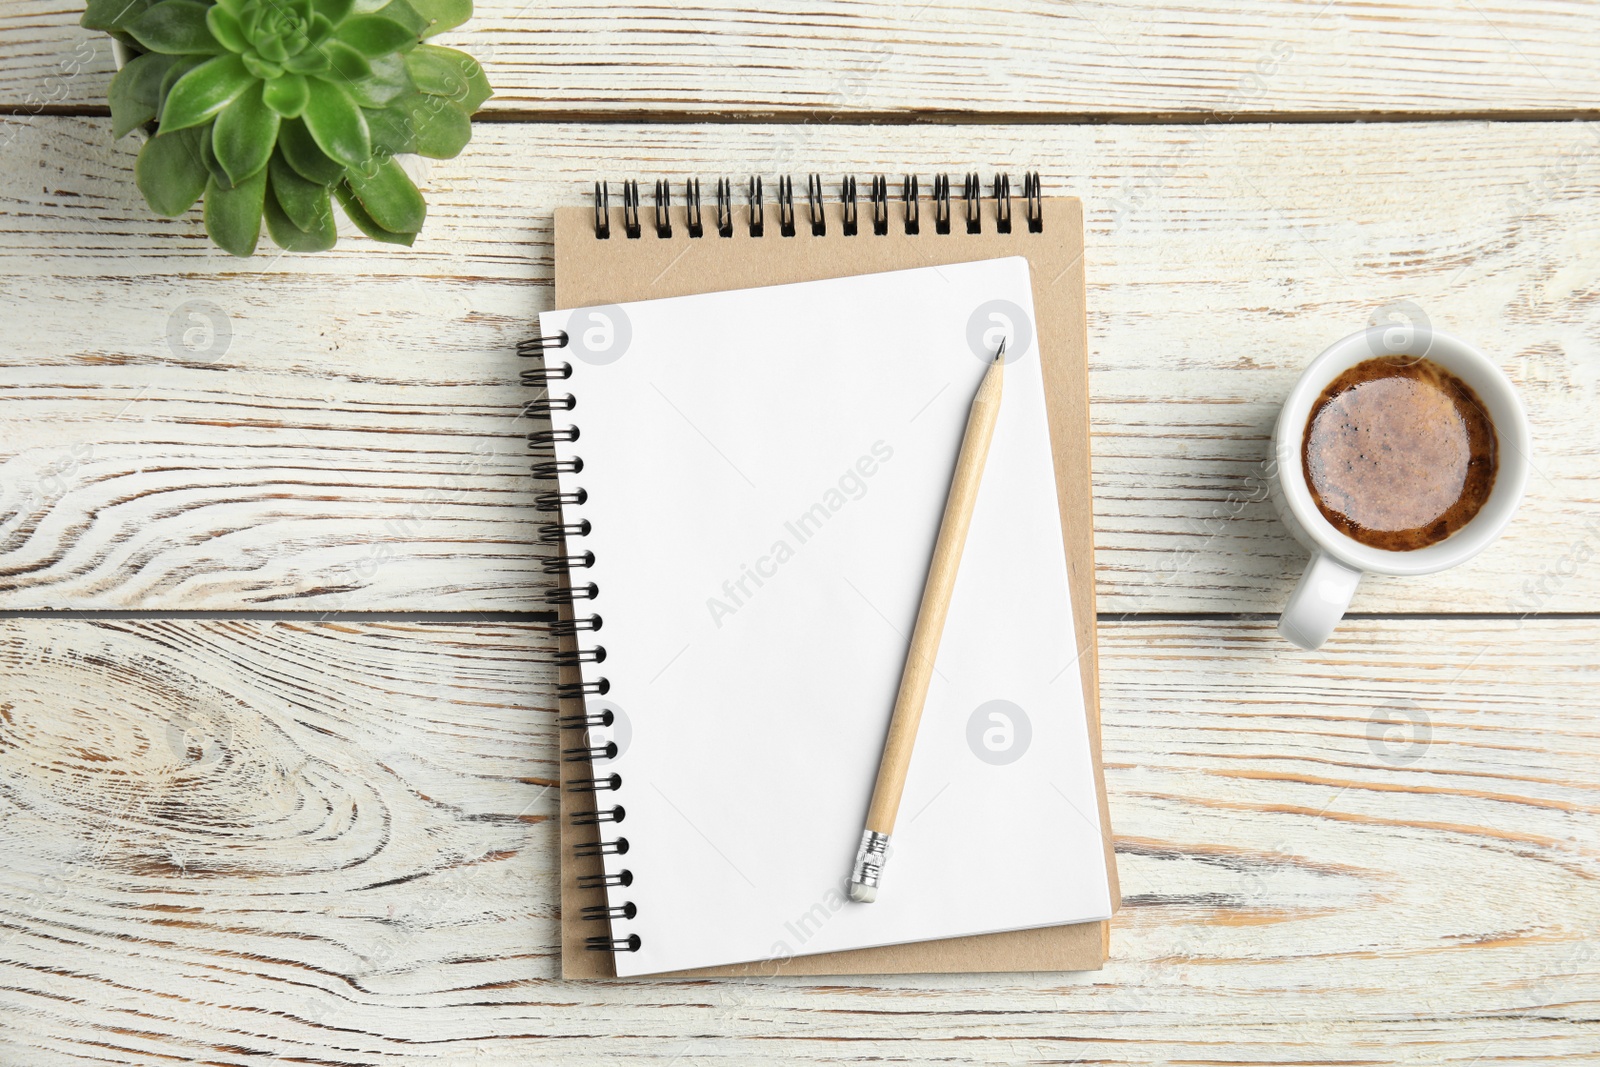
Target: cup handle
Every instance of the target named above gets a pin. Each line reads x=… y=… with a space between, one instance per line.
x=1319 y=601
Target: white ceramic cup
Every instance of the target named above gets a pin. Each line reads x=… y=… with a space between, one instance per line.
x=1323 y=595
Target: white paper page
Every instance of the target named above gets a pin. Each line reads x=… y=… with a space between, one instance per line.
x=766 y=470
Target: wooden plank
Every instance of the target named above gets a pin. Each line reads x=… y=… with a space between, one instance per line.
x=357 y=445
x=228 y=841
x=1035 y=57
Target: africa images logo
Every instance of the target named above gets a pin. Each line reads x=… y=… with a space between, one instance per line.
x=1399 y=329
x=199 y=329
x=599 y=335
x=615 y=721
x=999 y=732
x=994 y=321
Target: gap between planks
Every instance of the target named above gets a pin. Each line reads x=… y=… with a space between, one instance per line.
x=941 y=117
x=542 y=617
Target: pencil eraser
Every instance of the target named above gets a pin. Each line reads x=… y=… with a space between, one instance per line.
x=863 y=894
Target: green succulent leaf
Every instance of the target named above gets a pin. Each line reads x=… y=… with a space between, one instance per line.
x=261 y=68
x=292 y=238
x=338 y=125
x=345 y=63
x=335 y=11
x=270 y=109
x=428 y=125
x=175 y=27
x=209 y=158
x=364 y=223
x=392 y=131
x=442 y=14
x=287 y=95
x=301 y=152
x=310 y=61
x=112 y=16
x=405 y=13
x=182 y=66
x=388 y=195
x=302 y=200
x=386 y=82
x=449 y=73
x=170 y=172
x=320 y=33
x=272 y=50
x=226 y=29
x=445 y=134
x=203 y=92
x=136 y=91
x=374 y=35
x=244 y=134
x=433 y=72
x=478 y=87
x=233 y=216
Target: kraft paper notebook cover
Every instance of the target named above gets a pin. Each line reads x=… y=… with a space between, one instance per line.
x=621 y=269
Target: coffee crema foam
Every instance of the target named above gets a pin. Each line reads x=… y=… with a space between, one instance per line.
x=1399 y=453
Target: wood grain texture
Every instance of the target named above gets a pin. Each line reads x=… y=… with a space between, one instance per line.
x=356 y=444
x=233 y=842
x=1099 y=57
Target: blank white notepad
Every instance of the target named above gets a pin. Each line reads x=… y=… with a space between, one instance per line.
x=761 y=475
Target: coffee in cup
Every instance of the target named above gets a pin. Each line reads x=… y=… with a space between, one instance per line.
x=1399 y=453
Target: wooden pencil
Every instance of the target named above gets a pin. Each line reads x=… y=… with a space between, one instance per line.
x=926 y=634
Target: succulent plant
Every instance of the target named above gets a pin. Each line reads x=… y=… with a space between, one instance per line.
x=273 y=108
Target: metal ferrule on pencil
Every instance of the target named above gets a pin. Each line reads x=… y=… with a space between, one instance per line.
x=870 y=858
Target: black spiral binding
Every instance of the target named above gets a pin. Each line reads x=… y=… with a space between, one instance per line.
x=819 y=221
x=971 y=210
x=724 y=208
x=663 y=209
x=691 y=194
x=630 y=209
x=786 y=207
x=574 y=591
x=758 y=210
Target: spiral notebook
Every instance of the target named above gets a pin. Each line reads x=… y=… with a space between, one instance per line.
x=740 y=573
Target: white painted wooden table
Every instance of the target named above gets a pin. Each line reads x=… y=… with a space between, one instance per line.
x=276 y=728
